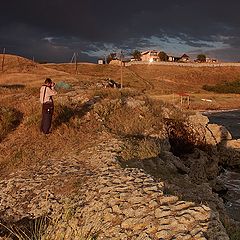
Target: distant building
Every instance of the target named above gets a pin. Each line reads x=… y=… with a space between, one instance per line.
x=132 y=59
x=101 y=61
x=150 y=56
x=117 y=62
x=173 y=59
x=211 y=60
x=185 y=58
x=153 y=56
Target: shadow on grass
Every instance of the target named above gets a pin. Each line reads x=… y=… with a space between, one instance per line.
x=10 y=119
x=25 y=228
x=12 y=86
x=65 y=113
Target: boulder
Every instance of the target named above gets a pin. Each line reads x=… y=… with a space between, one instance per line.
x=215 y=134
x=212 y=134
x=235 y=144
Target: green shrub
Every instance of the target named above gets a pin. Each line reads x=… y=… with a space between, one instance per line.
x=225 y=87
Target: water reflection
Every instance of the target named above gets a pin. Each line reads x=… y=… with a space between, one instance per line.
x=232 y=197
x=230 y=119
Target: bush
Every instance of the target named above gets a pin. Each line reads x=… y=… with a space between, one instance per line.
x=121 y=117
x=226 y=87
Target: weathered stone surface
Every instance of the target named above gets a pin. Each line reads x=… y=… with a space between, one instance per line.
x=217 y=134
x=235 y=144
x=159 y=213
x=164 y=234
x=211 y=134
x=166 y=200
x=199 y=119
x=117 y=203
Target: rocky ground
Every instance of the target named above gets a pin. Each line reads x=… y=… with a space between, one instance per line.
x=94 y=194
x=111 y=202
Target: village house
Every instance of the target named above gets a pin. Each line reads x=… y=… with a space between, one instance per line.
x=153 y=56
x=101 y=61
x=150 y=56
x=211 y=60
x=173 y=59
x=184 y=58
x=170 y=58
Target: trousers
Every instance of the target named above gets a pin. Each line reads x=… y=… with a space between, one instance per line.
x=47 y=112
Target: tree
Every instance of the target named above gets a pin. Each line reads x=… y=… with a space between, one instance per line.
x=110 y=57
x=136 y=55
x=163 y=56
x=201 y=58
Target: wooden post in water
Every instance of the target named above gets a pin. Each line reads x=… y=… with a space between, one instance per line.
x=3 y=58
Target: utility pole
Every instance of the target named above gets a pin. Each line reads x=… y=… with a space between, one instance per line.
x=74 y=58
x=105 y=58
x=3 y=58
x=121 y=56
x=76 y=63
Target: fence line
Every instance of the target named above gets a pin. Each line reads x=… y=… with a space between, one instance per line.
x=184 y=64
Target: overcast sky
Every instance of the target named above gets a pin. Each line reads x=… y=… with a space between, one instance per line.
x=52 y=30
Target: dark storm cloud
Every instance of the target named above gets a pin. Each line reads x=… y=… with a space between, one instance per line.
x=57 y=28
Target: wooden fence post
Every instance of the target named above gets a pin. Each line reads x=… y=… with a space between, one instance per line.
x=3 y=58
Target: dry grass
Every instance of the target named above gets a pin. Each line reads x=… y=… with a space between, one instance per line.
x=140 y=148
x=26 y=147
x=155 y=80
x=180 y=78
x=9 y=120
x=46 y=228
x=124 y=119
x=73 y=123
x=197 y=102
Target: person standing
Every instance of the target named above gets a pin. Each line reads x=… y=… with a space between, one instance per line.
x=47 y=92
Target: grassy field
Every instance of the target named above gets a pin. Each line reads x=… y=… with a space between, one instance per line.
x=158 y=81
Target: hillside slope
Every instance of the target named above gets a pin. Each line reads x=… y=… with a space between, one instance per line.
x=155 y=78
x=20 y=70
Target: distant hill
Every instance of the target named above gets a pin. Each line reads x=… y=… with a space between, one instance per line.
x=155 y=78
x=13 y=64
x=17 y=69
